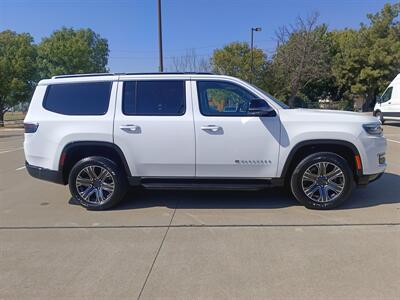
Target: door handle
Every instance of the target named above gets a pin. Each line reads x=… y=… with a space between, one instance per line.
x=213 y=128
x=130 y=128
x=389 y=102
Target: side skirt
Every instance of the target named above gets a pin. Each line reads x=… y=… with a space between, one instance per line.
x=165 y=183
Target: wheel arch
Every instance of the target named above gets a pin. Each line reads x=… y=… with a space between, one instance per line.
x=74 y=151
x=376 y=111
x=344 y=148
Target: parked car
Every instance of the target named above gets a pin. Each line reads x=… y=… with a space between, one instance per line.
x=100 y=133
x=387 y=106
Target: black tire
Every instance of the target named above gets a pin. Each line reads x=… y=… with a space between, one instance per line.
x=115 y=178
x=379 y=115
x=323 y=184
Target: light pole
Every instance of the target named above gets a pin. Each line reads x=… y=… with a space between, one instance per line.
x=251 y=51
x=161 y=66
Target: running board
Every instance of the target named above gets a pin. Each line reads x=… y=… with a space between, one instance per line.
x=206 y=184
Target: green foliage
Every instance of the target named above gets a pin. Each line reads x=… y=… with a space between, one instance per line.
x=234 y=60
x=366 y=60
x=69 y=51
x=311 y=63
x=17 y=69
x=301 y=58
x=346 y=105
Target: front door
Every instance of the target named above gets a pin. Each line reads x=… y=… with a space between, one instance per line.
x=230 y=143
x=154 y=127
x=386 y=102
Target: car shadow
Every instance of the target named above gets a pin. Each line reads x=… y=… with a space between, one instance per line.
x=384 y=191
x=392 y=123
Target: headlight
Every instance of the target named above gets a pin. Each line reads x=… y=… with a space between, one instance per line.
x=373 y=129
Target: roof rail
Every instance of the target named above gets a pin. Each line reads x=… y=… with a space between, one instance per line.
x=82 y=75
x=167 y=73
x=112 y=74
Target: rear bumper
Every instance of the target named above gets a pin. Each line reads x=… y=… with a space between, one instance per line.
x=363 y=180
x=45 y=174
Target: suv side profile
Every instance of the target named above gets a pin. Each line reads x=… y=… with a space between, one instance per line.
x=100 y=133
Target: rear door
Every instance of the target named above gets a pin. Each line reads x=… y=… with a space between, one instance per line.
x=154 y=126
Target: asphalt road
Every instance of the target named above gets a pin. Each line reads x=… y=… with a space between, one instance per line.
x=196 y=245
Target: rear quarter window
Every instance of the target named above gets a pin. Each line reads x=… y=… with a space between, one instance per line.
x=89 y=98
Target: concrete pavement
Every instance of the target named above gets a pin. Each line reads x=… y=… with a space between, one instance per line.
x=201 y=245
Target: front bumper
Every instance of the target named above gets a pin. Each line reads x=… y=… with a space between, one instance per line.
x=44 y=174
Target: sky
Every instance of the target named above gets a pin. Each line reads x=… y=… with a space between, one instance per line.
x=130 y=26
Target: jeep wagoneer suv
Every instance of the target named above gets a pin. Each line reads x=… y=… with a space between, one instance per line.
x=99 y=133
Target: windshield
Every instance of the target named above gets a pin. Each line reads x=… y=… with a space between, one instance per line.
x=279 y=102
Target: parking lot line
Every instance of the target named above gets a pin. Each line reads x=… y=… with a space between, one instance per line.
x=11 y=150
x=393 y=141
x=20 y=168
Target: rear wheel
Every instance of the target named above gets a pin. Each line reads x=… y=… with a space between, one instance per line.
x=97 y=183
x=322 y=181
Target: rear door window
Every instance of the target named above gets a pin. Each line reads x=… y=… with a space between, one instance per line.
x=89 y=98
x=154 y=98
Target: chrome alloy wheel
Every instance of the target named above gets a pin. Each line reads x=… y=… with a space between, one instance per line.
x=323 y=182
x=95 y=184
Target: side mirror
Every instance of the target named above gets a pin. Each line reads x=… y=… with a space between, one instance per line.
x=378 y=99
x=259 y=107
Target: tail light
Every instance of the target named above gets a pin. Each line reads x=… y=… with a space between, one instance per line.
x=31 y=127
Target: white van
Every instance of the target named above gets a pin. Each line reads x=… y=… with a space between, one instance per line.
x=387 y=106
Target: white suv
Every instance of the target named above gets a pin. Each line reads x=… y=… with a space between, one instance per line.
x=100 y=132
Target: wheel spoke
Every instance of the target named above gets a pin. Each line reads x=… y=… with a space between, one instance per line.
x=99 y=195
x=323 y=193
x=108 y=187
x=322 y=168
x=83 y=181
x=88 y=192
x=310 y=191
x=103 y=175
x=334 y=187
x=91 y=172
x=309 y=176
x=334 y=174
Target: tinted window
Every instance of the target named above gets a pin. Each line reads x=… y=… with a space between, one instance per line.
x=387 y=95
x=157 y=97
x=219 y=98
x=90 y=98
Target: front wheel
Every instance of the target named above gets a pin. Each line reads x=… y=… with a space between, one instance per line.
x=322 y=181
x=97 y=183
x=379 y=115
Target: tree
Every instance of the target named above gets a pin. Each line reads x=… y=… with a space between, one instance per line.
x=234 y=60
x=368 y=59
x=301 y=58
x=69 y=51
x=190 y=62
x=17 y=69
